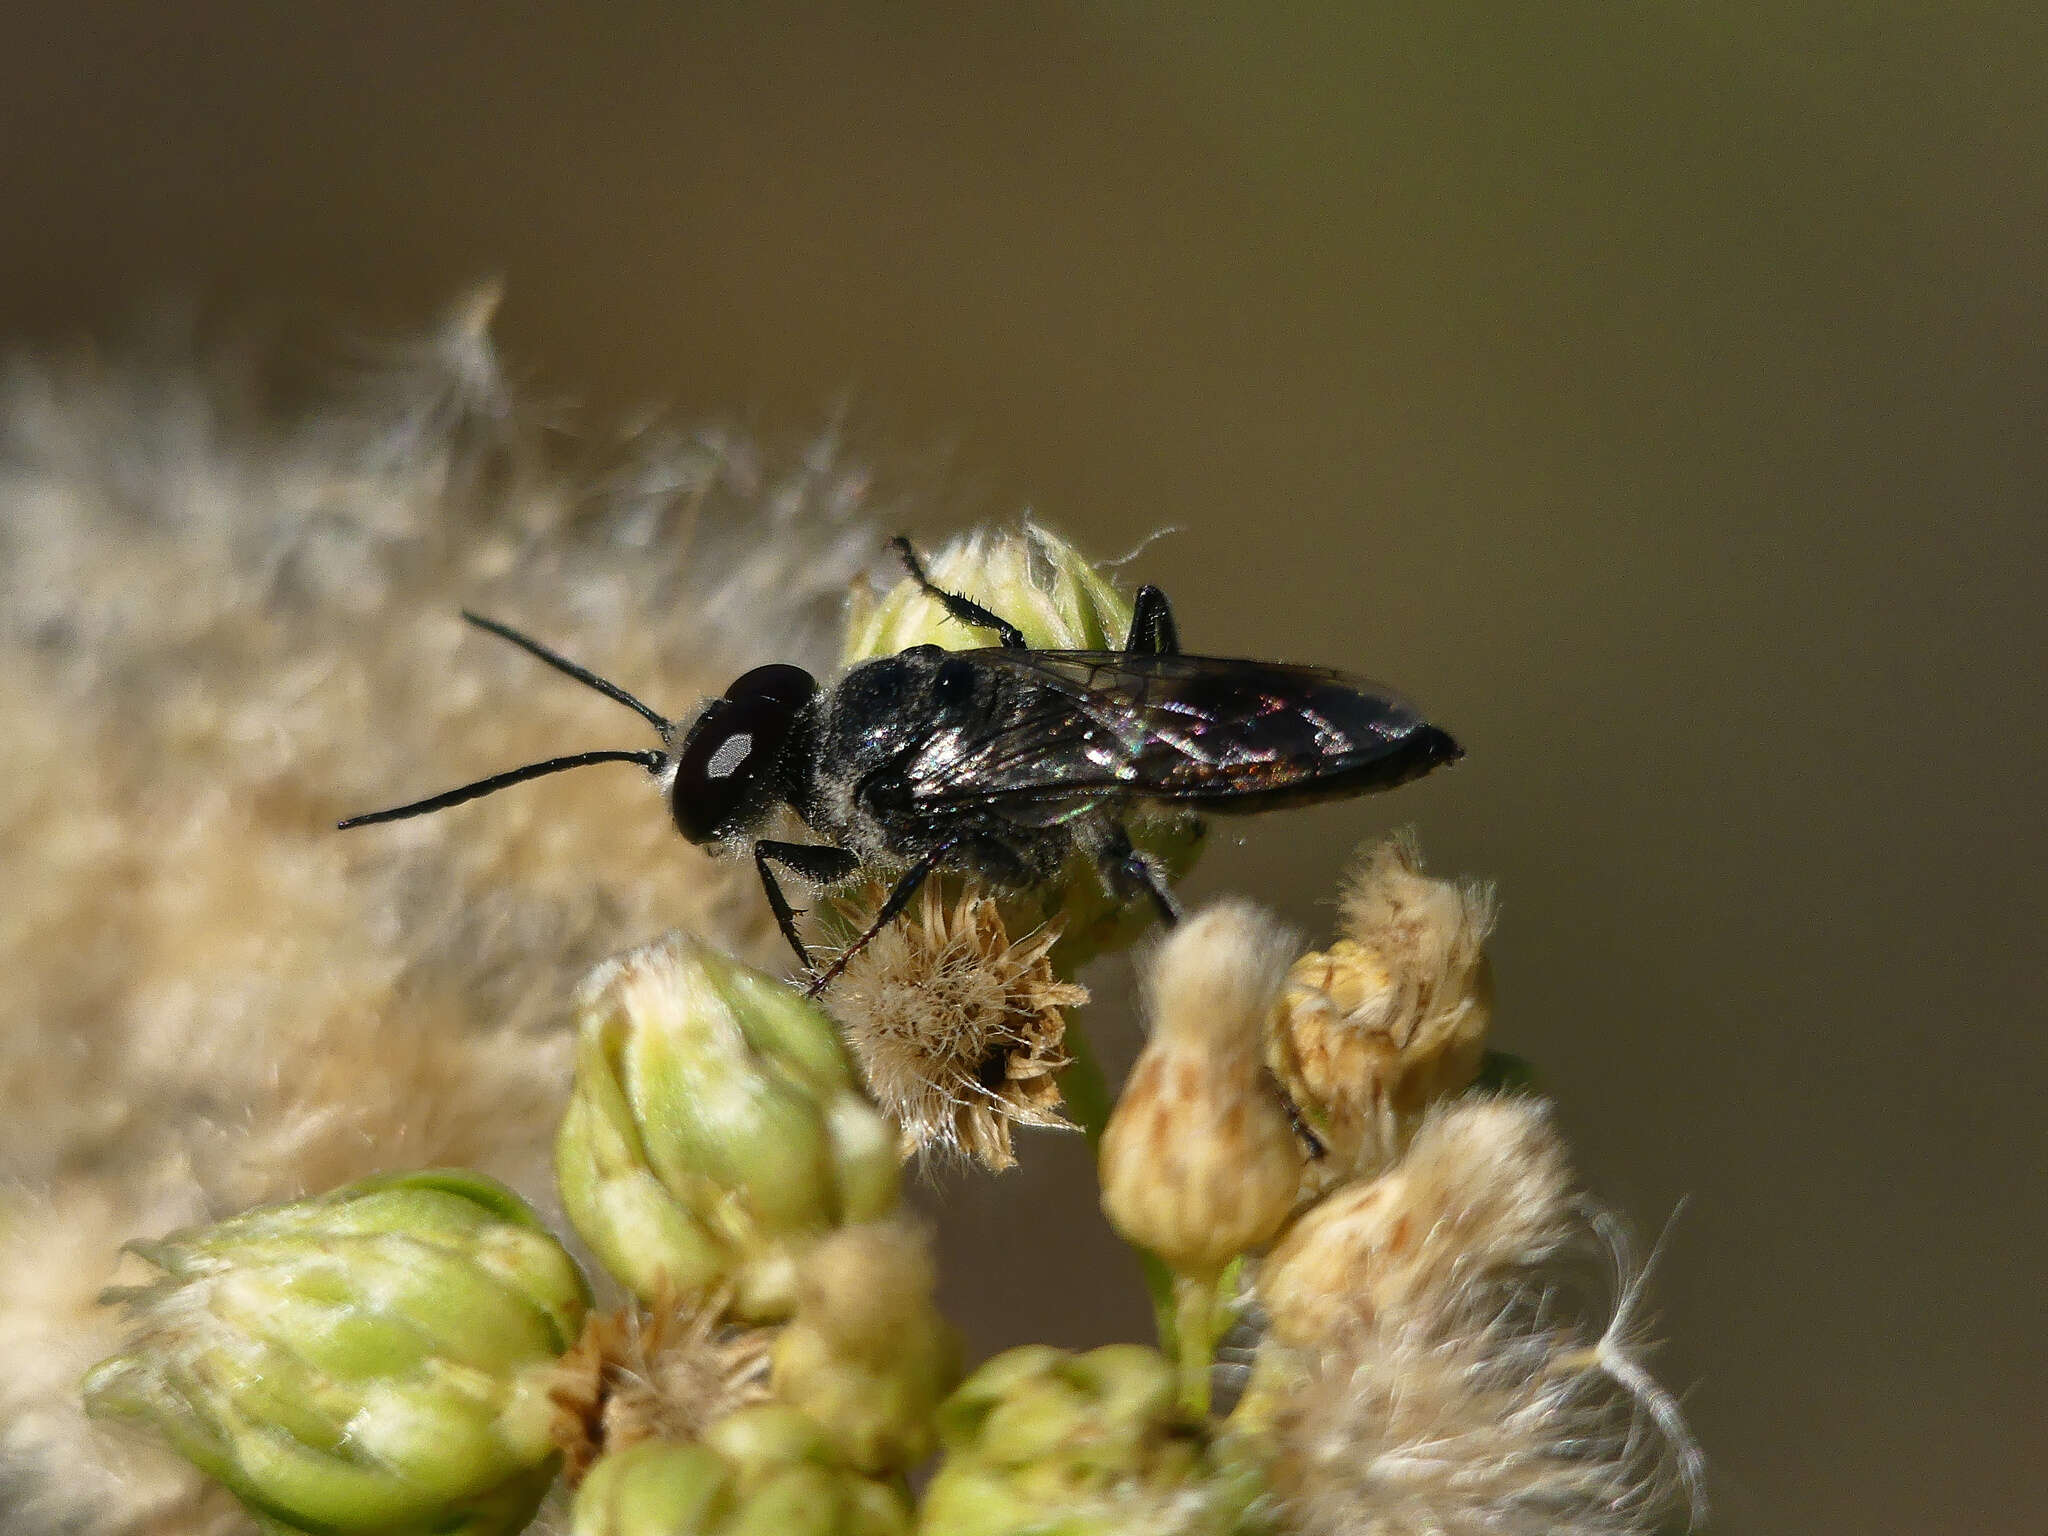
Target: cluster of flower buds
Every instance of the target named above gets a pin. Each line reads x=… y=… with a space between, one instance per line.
x=375 y=1359
x=715 y=1129
x=1085 y=1445
x=410 y=1353
x=765 y=1471
x=867 y=1355
x=414 y=1353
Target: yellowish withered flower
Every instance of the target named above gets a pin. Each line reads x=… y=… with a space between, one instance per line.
x=1391 y=1017
x=1200 y=1161
x=957 y=1027
x=867 y=1355
x=1062 y=601
x=715 y=1129
x=1484 y=1189
x=663 y=1372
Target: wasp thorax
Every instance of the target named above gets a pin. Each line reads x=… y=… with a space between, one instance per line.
x=722 y=772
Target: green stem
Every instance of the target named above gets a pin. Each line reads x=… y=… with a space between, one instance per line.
x=1195 y=1314
x=1085 y=1088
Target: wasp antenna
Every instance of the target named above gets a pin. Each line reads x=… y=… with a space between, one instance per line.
x=653 y=762
x=582 y=675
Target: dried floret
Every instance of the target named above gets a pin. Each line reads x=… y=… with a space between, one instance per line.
x=1391 y=1017
x=956 y=1026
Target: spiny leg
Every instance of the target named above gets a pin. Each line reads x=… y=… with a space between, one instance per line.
x=963 y=609
x=891 y=909
x=819 y=863
x=1153 y=632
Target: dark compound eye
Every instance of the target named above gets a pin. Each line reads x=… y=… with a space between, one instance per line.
x=733 y=741
x=786 y=685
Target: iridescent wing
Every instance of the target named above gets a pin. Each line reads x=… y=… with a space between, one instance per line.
x=1074 y=726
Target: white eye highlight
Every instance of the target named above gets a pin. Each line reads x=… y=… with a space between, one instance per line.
x=731 y=753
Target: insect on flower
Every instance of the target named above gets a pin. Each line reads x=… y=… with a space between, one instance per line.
x=996 y=763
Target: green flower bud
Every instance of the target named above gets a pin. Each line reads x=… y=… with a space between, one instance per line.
x=1034 y=578
x=1041 y=1441
x=715 y=1129
x=759 y=1472
x=655 y=1489
x=1051 y=592
x=867 y=1356
x=375 y=1359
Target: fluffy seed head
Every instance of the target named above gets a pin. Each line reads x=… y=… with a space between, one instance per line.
x=957 y=1027
x=1392 y=1017
x=222 y=626
x=1484 y=1188
x=1426 y=1373
x=1505 y=1422
x=1200 y=1162
x=59 y=1470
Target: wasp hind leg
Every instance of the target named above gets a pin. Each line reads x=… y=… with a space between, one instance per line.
x=819 y=863
x=1131 y=873
x=1153 y=632
x=963 y=609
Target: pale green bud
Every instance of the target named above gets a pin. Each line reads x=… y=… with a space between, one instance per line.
x=715 y=1129
x=1040 y=1441
x=760 y=1472
x=375 y=1359
x=1033 y=578
x=1060 y=601
x=655 y=1489
x=867 y=1355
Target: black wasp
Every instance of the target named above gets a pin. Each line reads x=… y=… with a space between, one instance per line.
x=998 y=763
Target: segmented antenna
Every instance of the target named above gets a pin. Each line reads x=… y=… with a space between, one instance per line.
x=563 y=664
x=652 y=761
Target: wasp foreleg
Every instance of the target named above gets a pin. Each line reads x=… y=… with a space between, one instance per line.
x=899 y=898
x=819 y=863
x=963 y=609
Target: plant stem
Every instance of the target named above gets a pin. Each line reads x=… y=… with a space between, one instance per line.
x=1195 y=1317
x=1084 y=1086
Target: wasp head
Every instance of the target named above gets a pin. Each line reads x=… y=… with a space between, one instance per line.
x=726 y=774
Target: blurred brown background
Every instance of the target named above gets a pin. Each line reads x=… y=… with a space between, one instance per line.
x=1657 y=391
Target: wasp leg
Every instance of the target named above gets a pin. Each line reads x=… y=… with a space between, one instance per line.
x=1153 y=632
x=820 y=863
x=899 y=898
x=1131 y=873
x=963 y=609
